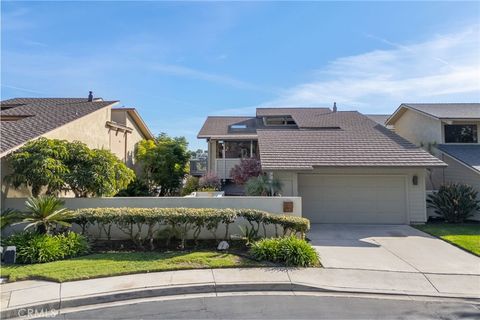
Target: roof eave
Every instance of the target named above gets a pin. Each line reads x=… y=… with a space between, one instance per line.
x=7 y=152
x=401 y=110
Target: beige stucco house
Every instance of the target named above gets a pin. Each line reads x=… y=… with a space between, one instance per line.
x=92 y=121
x=346 y=167
x=450 y=131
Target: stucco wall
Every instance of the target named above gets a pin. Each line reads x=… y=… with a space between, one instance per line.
x=270 y=204
x=90 y=130
x=415 y=193
x=132 y=140
x=418 y=128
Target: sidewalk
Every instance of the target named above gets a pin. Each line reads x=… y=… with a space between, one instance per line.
x=51 y=295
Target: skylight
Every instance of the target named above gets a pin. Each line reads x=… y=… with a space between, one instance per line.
x=238 y=126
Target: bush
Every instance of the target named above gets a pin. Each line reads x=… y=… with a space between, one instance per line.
x=263 y=186
x=136 y=188
x=454 y=202
x=135 y=221
x=288 y=250
x=249 y=167
x=191 y=185
x=39 y=248
x=210 y=182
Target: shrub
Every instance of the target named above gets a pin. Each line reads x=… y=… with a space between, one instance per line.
x=454 y=202
x=45 y=213
x=263 y=186
x=181 y=221
x=40 y=248
x=136 y=188
x=249 y=167
x=191 y=185
x=210 y=181
x=288 y=250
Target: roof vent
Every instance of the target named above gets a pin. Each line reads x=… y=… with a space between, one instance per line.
x=90 y=96
x=334 y=107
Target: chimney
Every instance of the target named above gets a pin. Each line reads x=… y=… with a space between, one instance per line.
x=334 y=107
x=90 y=96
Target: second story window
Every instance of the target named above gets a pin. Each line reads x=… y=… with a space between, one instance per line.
x=237 y=149
x=461 y=133
x=279 y=121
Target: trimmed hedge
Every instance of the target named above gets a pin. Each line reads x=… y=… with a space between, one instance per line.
x=180 y=221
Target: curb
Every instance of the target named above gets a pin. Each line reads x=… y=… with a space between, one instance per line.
x=56 y=306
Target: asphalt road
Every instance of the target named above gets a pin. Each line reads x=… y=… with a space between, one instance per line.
x=284 y=307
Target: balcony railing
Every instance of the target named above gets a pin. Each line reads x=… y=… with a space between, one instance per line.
x=198 y=167
x=224 y=166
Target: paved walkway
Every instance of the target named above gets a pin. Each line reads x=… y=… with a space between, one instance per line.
x=44 y=294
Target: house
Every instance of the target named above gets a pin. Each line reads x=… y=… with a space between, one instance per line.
x=346 y=167
x=90 y=120
x=450 y=131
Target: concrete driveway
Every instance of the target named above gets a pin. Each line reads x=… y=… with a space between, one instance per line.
x=397 y=248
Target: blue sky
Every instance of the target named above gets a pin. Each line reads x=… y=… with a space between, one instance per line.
x=179 y=62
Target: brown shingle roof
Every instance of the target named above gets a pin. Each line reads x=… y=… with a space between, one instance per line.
x=438 y=111
x=304 y=117
x=44 y=115
x=359 y=142
x=221 y=127
x=448 y=110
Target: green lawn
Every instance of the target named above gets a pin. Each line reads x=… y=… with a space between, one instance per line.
x=118 y=263
x=466 y=236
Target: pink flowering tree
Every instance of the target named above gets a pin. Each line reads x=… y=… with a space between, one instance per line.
x=247 y=169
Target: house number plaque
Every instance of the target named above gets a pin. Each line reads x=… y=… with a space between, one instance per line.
x=287 y=206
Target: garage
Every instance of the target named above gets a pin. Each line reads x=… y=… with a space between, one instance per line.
x=372 y=199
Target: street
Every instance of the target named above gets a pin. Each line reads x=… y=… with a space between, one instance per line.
x=285 y=307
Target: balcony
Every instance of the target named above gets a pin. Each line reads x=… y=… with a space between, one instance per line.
x=198 y=167
x=224 y=166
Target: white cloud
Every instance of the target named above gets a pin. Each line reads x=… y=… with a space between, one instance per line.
x=182 y=71
x=445 y=68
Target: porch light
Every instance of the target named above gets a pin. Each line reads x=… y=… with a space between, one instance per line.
x=415 y=180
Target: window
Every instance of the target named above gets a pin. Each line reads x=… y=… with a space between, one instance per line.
x=461 y=133
x=237 y=149
x=238 y=126
x=279 y=121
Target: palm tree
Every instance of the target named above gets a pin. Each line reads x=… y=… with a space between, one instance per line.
x=45 y=212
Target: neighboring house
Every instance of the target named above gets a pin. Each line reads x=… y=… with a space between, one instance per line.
x=346 y=167
x=450 y=131
x=92 y=121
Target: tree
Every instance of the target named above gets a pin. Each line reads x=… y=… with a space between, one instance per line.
x=60 y=165
x=164 y=161
x=40 y=163
x=247 y=168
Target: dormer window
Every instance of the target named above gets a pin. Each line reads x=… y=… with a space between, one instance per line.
x=279 y=121
x=461 y=133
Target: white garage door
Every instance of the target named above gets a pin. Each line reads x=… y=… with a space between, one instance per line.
x=353 y=199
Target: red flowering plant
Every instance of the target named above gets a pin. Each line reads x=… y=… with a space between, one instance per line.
x=248 y=168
